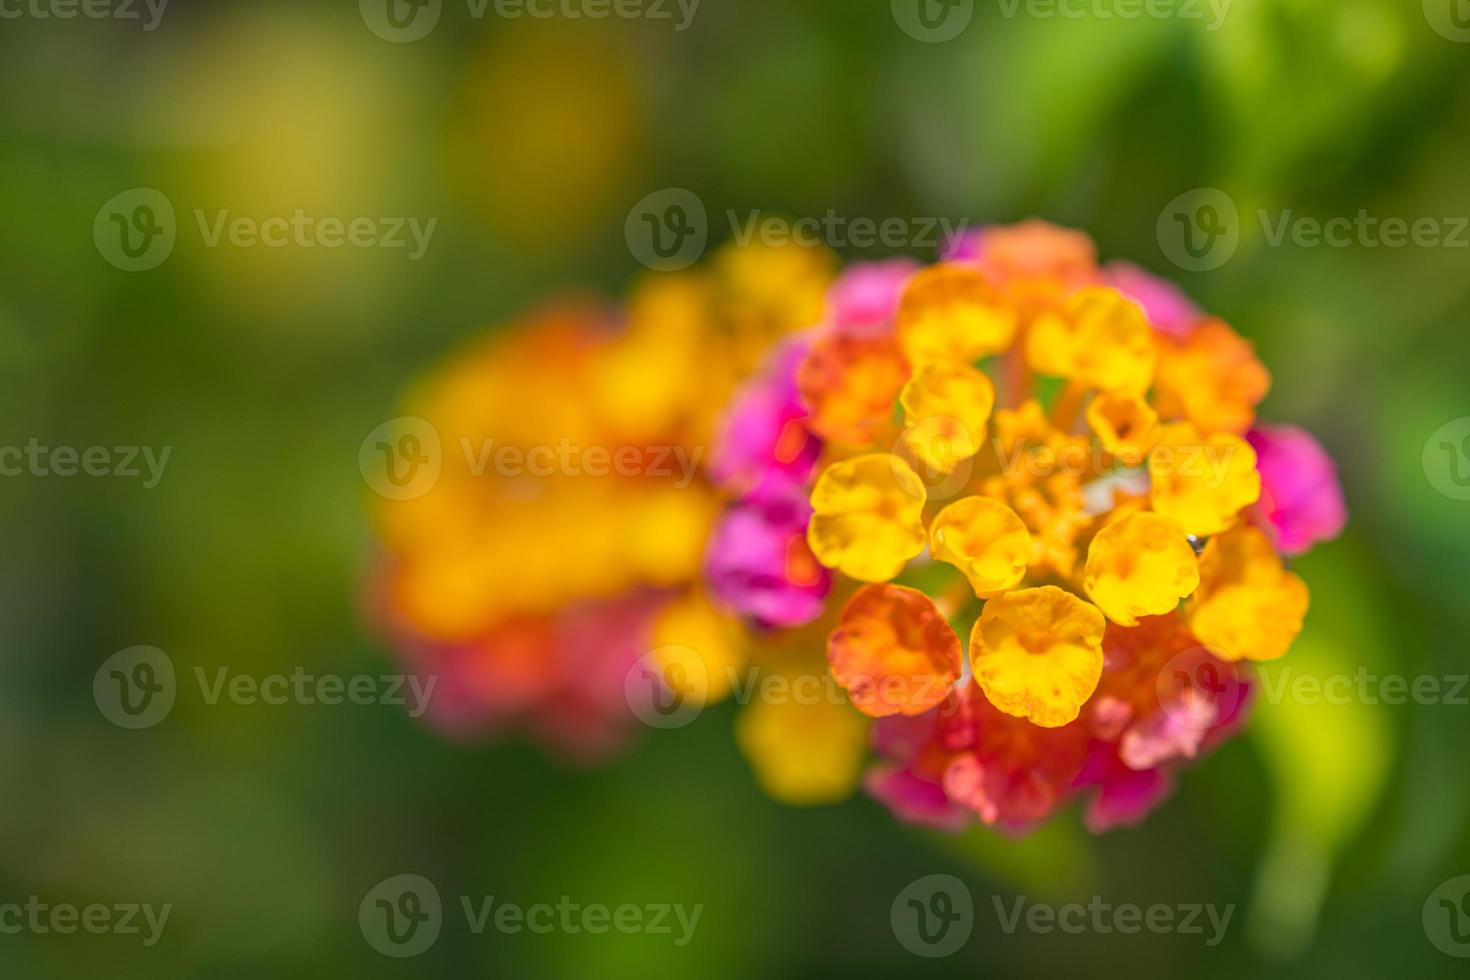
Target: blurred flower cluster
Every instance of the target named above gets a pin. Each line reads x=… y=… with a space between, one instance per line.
x=983 y=536
x=566 y=529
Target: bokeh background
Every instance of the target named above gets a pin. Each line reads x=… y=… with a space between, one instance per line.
x=529 y=140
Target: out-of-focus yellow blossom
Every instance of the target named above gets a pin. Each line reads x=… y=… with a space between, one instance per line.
x=867 y=517
x=806 y=750
x=1098 y=338
x=701 y=643
x=1248 y=607
x=946 y=407
x=951 y=312
x=1126 y=425
x=1037 y=654
x=1140 y=565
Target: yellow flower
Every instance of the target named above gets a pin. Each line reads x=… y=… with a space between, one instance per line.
x=950 y=312
x=707 y=645
x=1141 y=565
x=1098 y=338
x=946 y=406
x=892 y=651
x=986 y=540
x=1203 y=482
x=1125 y=424
x=805 y=750
x=1248 y=607
x=1037 y=654
x=867 y=519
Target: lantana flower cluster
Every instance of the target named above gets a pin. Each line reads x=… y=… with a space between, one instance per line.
x=532 y=592
x=1022 y=502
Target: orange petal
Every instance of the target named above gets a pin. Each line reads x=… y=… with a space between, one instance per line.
x=893 y=652
x=849 y=384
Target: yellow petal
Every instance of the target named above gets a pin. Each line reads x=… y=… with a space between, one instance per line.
x=1141 y=565
x=1203 y=482
x=950 y=312
x=1248 y=607
x=805 y=750
x=1037 y=654
x=1125 y=424
x=986 y=540
x=867 y=517
x=704 y=640
x=946 y=406
x=1099 y=338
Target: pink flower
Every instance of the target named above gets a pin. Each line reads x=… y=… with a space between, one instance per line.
x=1124 y=796
x=1169 y=311
x=1300 y=493
x=863 y=298
x=766 y=445
x=758 y=562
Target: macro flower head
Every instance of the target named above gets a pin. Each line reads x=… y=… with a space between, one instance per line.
x=1037 y=485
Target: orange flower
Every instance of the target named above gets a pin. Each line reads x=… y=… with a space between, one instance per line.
x=1210 y=377
x=893 y=652
x=849 y=384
